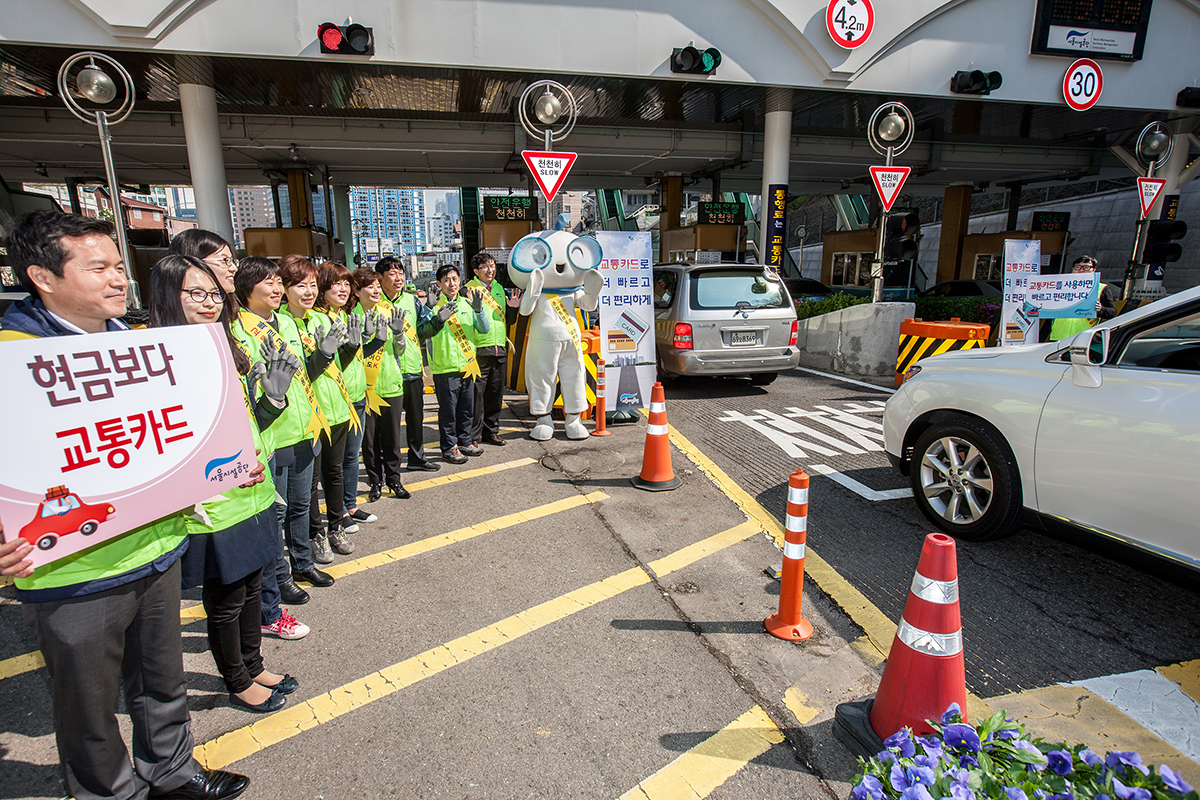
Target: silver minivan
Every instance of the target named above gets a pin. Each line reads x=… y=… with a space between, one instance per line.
x=723 y=319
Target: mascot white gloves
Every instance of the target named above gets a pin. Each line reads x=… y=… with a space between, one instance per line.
x=557 y=272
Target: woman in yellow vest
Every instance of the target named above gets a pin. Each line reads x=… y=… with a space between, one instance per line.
x=336 y=299
x=1106 y=307
x=234 y=539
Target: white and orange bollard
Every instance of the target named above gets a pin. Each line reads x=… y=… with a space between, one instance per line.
x=789 y=623
x=657 y=473
x=601 y=428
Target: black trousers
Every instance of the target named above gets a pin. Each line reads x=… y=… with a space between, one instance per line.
x=456 y=408
x=489 y=396
x=414 y=418
x=127 y=635
x=382 y=444
x=234 y=634
x=327 y=470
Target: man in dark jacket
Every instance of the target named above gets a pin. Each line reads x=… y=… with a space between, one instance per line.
x=100 y=625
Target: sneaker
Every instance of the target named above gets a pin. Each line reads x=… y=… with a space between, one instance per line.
x=340 y=543
x=320 y=549
x=349 y=525
x=472 y=450
x=286 y=627
x=454 y=456
x=363 y=516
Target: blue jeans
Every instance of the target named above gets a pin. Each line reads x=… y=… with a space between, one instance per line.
x=456 y=409
x=354 y=440
x=294 y=484
x=270 y=580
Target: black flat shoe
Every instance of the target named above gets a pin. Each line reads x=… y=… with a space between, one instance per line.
x=314 y=576
x=291 y=594
x=273 y=703
x=424 y=466
x=286 y=685
x=375 y=492
x=493 y=439
x=399 y=491
x=208 y=784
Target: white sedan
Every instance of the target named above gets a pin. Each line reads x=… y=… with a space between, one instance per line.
x=1100 y=431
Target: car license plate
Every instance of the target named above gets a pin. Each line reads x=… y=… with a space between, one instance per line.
x=743 y=338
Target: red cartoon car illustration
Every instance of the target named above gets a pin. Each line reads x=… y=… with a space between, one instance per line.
x=61 y=513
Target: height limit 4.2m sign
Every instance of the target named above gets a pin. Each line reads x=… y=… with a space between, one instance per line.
x=849 y=22
x=549 y=169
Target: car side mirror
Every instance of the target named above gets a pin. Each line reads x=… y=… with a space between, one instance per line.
x=1088 y=350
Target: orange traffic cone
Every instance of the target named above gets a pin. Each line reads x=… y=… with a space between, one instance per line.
x=657 y=474
x=925 y=671
x=789 y=623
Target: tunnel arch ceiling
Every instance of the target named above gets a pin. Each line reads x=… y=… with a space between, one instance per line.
x=391 y=123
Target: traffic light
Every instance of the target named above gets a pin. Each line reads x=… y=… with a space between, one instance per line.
x=975 y=81
x=694 y=61
x=900 y=237
x=1160 y=245
x=346 y=40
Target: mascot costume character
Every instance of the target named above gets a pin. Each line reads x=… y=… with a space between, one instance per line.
x=557 y=272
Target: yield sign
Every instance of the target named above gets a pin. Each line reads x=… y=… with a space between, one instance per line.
x=549 y=169
x=1148 y=189
x=888 y=181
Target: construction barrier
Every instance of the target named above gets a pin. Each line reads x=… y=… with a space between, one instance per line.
x=920 y=339
x=925 y=669
x=789 y=623
x=657 y=473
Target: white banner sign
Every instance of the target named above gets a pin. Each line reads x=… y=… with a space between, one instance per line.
x=117 y=430
x=1022 y=261
x=627 y=319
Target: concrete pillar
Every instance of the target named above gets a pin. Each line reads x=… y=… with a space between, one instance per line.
x=300 y=198
x=956 y=214
x=341 y=215
x=202 y=132
x=777 y=151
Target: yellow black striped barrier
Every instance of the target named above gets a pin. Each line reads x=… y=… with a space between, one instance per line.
x=919 y=339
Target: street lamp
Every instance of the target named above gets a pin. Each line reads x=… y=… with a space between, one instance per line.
x=356 y=228
x=1153 y=148
x=93 y=84
x=889 y=132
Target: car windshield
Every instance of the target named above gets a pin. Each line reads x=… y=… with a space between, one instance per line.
x=717 y=289
x=60 y=506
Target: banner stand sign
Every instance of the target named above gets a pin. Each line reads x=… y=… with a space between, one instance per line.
x=627 y=318
x=1018 y=317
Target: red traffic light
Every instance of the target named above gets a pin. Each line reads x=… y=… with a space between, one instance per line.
x=350 y=40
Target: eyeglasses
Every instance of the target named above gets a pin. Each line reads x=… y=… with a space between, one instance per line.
x=1084 y=266
x=225 y=260
x=199 y=295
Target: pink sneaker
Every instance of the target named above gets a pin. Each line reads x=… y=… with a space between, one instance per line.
x=286 y=627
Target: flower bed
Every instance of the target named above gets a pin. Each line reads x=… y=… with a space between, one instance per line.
x=998 y=760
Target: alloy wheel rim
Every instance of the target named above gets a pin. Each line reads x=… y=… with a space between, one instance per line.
x=956 y=480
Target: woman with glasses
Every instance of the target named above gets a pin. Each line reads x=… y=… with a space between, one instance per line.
x=1106 y=307
x=213 y=250
x=228 y=551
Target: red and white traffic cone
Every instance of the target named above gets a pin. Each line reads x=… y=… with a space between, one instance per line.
x=601 y=428
x=657 y=474
x=925 y=670
x=789 y=623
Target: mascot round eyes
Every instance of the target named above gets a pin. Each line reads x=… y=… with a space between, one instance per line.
x=584 y=253
x=531 y=253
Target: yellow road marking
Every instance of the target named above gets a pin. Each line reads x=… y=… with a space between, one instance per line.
x=1187 y=675
x=699 y=771
x=460 y=535
x=293 y=720
x=26 y=662
x=795 y=701
x=457 y=476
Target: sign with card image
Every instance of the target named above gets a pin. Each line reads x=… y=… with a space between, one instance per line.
x=117 y=430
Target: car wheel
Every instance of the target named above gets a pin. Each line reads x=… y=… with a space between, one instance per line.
x=47 y=541
x=763 y=378
x=965 y=481
x=89 y=527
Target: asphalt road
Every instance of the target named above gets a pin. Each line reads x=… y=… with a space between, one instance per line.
x=1037 y=608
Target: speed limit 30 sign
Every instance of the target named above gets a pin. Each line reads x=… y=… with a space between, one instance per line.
x=849 y=22
x=1082 y=84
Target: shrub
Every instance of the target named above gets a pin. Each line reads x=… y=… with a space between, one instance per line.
x=968 y=309
x=835 y=302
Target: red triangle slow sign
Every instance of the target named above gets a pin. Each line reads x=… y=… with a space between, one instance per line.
x=1148 y=189
x=549 y=169
x=888 y=181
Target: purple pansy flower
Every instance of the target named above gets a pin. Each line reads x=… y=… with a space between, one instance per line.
x=1061 y=796
x=1060 y=761
x=897 y=778
x=917 y=792
x=1015 y=793
x=960 y=791
x=868 y=789
x=1173 y=780
x=1021 y=744
x=952 y=714
x=968 y=760
x=1089 y=758
x=1118 y=760
x=961 y=736
x=1130 y=792
x=902 y=740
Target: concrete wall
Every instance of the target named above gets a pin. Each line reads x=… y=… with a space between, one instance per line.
x=860 y=340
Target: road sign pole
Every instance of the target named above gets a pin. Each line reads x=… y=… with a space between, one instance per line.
x=877 y=267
